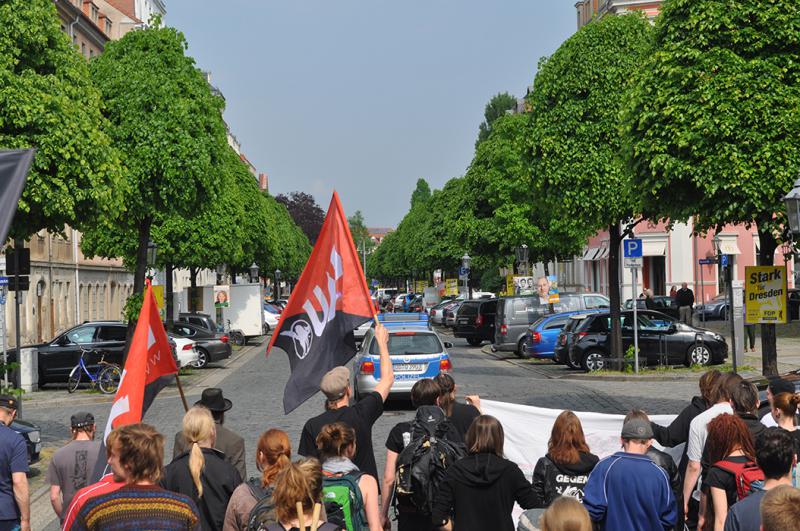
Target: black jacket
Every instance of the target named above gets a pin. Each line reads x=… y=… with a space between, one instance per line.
x=665 y=461
x=480 y=491
x=551 y=480
x=678 y=431
x=684 y=297
x=219 y=479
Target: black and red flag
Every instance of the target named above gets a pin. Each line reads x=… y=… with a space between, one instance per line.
x=330 y=300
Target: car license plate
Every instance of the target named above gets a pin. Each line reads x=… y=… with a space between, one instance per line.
x=462 y=321
x=409 y=367
x=37 y=447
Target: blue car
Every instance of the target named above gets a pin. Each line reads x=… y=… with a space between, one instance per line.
x=540 y=340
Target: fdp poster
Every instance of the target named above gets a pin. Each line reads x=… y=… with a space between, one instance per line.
x=765 y=294
x=451 y=286
x=221 y=296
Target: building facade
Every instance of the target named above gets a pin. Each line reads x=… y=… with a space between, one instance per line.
x=586 y=10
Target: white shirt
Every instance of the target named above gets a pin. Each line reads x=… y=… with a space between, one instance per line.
x=769 y=421
x=698 y=429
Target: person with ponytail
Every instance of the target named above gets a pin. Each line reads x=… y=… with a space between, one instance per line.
x=201 y=471
x=299 y=485
x=460 y=415
x=784 y=411
x=273 y=454
x=336 y=446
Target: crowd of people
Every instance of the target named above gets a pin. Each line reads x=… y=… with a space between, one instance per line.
x=445 y=469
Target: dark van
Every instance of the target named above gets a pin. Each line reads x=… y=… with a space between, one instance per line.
x=515 y=314
x=475 y=321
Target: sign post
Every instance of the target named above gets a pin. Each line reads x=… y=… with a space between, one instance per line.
x=633 y=260
x=702 y=262
x=3 y=291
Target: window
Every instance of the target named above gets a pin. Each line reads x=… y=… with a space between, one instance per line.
x=594 y=301
x=95 y=13
x=82 y=335
x=91 y=53
x=196 y=321
x=556 y=323
x=112 y=333
x=108 y=27
x=83 y=49
x=413 y=343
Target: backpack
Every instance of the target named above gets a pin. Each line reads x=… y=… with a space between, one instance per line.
x=263 y=513
x=422 y=464
x=749 y=478
x=344 y=505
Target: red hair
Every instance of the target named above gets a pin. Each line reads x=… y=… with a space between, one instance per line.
x=566 y=439
x=726 y=434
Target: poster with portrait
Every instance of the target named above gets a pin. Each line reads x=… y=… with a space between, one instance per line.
x=524 y=285
x=221 y=296
x=552 y=292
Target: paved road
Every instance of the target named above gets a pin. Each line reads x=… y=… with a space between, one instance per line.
x=255 y=386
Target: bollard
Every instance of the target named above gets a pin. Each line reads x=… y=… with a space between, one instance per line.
x=29 y=369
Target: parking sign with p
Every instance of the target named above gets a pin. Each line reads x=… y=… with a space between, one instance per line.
x=632 y=248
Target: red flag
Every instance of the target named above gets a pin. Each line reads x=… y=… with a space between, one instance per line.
x=330 y=300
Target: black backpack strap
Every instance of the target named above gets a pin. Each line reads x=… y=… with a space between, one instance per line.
x=258 y=492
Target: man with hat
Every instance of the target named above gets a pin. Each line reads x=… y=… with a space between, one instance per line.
x=335 y=385
x=72 y=465
x=15 y=504
x=228 y=442
x=776 y=386
x=628 y=490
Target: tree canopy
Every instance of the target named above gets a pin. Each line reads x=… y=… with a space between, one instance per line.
x=421 y=193
x=305 y=211
x=497 y=107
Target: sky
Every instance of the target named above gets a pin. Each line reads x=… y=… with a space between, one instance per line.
x=366 y=96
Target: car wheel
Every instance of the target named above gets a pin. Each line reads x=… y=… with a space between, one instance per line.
x=594 y=360
x=723 y=314
x=74 y=379
x=698 y=355
x=570 y=362
x=265 y=329
x=238 y=338
x=202 y=358
x=474 y=341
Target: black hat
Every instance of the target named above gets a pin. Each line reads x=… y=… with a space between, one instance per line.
x=8 y=401
x=779 y=385
x=82 y=420
x=213 y=400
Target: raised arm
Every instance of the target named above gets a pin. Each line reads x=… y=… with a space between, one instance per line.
x=388 y=486
x=387 y=371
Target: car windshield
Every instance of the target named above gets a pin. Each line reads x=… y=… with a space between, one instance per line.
x=405 y=343
x=215 y=326
x=270 y=308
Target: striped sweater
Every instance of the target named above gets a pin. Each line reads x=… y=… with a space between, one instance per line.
x=138 y=507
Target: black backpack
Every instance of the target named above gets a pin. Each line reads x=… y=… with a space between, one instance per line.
x=422 y=464
x=263 y=513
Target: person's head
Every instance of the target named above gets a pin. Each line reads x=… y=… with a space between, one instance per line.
x=447 y=392
x=637 y=433
x=723 y=389
x=199 y=431
x=135 y=453
x=727 y=434
x=543 y=287
x=775 y=453
x=777 y=386
x=565 y=514
x=336 y=440
x=425 y=392
x=684 y=285
x=335 y=385
x=784 y=405
x=297 y=482
x=566 y=439
x=707 y=383
x=8 y=409
x=82 y=426
x=485 y=436
x=744 y=398
x=273 y=454
x=780 y=509
x=222 y=296
x=213 y=400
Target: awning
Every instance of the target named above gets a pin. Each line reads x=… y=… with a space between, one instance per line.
x=729 y=247
x=654 y=247
x=590 y=253
x=602 y=254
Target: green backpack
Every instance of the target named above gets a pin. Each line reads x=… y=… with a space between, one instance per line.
x=344 y=505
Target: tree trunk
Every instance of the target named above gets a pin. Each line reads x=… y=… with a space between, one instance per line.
x=192 y=288
x=169 y=303
x=233 y=274
x=138 y=277
x=769 y=351
x=615 y=239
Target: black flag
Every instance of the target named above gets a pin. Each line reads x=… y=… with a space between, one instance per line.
x=14 y=166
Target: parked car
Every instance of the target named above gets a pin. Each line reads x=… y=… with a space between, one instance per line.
x=761 y=383
x=450 y=314
x=186 y=354
x=515 y=314
x=417 y=304
x=716 y=308
x=662 y=303
x=203 y=320
x=398 y=301
x=793 y=304
x=416 y=352
x=271 y=318
x=32 y=435
x=211 y=346
x=542 y=337
x=475 y=321
x=437 y=312
x=565 y=339
x=661 y=339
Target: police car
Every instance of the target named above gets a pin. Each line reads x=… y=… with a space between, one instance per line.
x=416 y=352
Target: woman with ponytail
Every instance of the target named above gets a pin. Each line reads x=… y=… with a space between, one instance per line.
x=784 y=411
x=460 y=415
x=299 y=485
x=200 y=472
x=273 y=454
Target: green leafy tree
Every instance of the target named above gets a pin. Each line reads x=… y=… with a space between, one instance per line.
x=305 y=211
x=168 y=127
x=421 y=193
x=575 y=135
x=47 y=101
x=712 y=126
x=497 y=107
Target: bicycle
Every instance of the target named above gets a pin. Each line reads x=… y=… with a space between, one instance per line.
x=237 y=337
x=106 y=377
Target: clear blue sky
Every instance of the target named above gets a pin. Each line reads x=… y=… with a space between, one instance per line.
x=366 y=96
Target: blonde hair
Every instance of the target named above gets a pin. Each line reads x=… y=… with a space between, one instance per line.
x=565 y=514
x=198 y=426
x=780 y=508
x=298 y=482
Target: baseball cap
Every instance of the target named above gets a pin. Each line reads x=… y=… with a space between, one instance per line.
x=335 y=382
x=779 y=385
x=8 y=401
x=82 y=420
x=637 y=429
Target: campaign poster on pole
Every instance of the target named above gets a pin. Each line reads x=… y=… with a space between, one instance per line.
x=221 y=296
x=552 y=292
x=451 y=286
x=524 y=285
x=765 y=294
x=158 y=293
x=509 y=285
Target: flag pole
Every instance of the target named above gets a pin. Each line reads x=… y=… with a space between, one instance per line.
x=180 y=390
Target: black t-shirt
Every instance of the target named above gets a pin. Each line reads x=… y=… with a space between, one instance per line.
x=722 y=479
x=462 y=417
x=400 y=436
x=360 y=417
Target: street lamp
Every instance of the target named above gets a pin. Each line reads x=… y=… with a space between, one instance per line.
x=522 y=256
x=277 y=285
x=792 y=200
x=152 y=255
x=254 y=272
x=220 y=272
